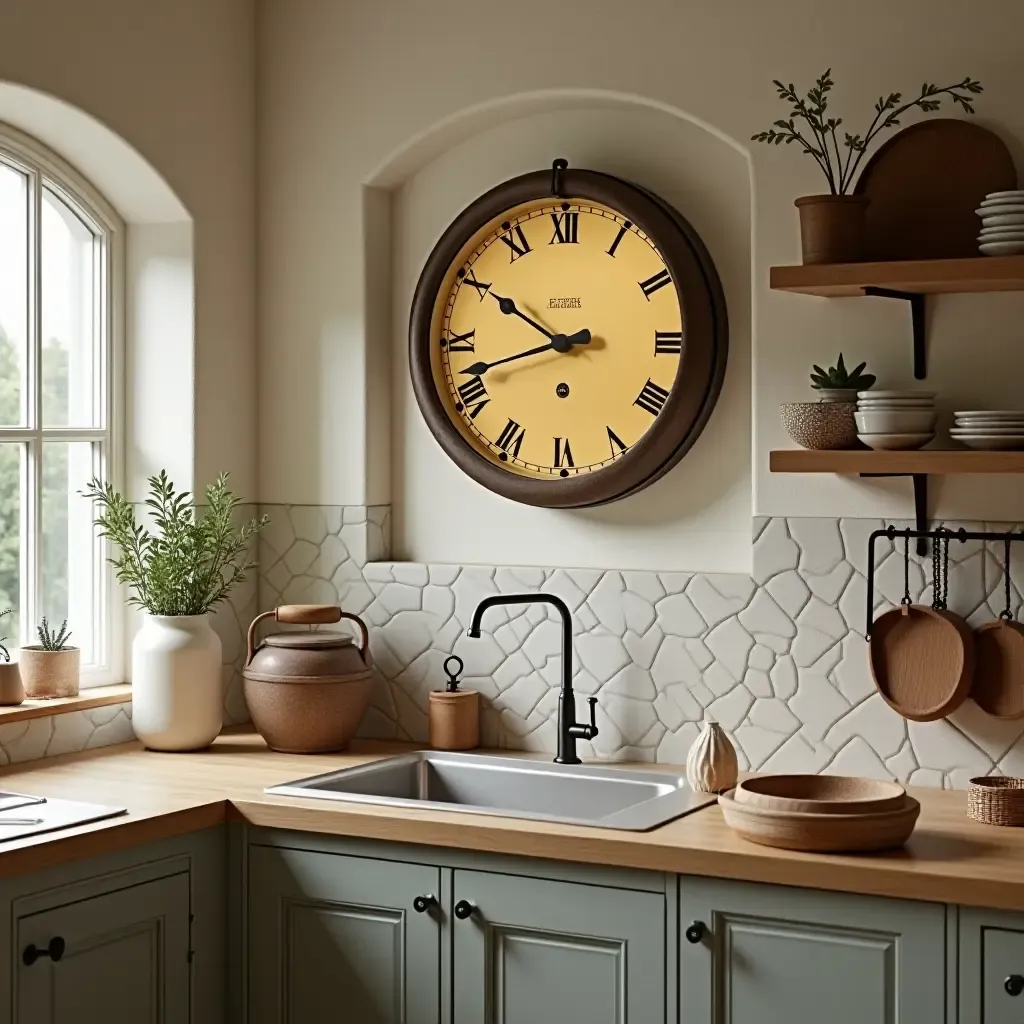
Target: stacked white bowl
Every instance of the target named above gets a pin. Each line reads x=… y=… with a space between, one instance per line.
x=1002 y=223
x=989 y=430
x=895 y=420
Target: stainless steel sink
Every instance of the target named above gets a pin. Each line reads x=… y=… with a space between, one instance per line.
x=513 y=787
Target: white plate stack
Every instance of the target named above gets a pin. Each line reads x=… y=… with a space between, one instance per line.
x=895 y=420
x=1002 y=223
x=989 y=430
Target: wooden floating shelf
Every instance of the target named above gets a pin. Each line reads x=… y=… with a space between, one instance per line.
x=916 y=277
x=871 y=463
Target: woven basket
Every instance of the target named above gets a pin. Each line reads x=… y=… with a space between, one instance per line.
x=996 y=801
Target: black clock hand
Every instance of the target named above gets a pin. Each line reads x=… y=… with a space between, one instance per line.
x=559 y=342
x=508 y=307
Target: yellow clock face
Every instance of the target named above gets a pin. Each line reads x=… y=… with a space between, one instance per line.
x=557 y=337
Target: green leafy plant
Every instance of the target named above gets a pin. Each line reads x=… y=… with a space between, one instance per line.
x=53 y=641
x=3 y=650
x=821 y=140
x=194 y=560
x=838 y=377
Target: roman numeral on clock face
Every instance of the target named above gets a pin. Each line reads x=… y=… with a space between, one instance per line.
x=567 y=226
x=668 y=343
x=615 y=443
x=563 y=454
x=482 y=287
x=516 y=241
x=462 y=342
x=652 y=284
x=473 y=393
x=652 y=398
x=615 y=244
x=511 y=438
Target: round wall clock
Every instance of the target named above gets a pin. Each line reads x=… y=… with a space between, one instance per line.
x=568 y=338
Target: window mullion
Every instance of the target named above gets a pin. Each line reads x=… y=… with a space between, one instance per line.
x=33 y=542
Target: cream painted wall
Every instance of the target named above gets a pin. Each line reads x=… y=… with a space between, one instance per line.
x=176 y=80
x=698 y=515
x=362 y=94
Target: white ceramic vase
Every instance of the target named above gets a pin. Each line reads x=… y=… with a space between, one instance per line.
x=711 y=764
x=176 y=688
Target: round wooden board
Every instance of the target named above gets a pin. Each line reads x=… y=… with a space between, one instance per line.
x=998 y=687
x=925 y=183
x=819 y=794
x=922 y=661
x=821 y=833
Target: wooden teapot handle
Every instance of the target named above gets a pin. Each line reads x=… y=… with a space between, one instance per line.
x=308 y=615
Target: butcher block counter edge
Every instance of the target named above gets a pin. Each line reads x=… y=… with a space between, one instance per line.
x=949 y=859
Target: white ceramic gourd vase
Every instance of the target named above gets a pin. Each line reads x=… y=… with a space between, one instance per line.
x=711 y=765
x=176 y=689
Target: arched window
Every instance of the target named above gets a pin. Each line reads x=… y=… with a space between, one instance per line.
x=61 y=285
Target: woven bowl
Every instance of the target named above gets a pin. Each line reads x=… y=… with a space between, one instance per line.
x=821 y=426
x=996 y=801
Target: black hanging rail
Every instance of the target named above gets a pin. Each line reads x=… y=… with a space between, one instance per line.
x=891 y=533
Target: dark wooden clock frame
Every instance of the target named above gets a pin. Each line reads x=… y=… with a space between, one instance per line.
x=701 y=365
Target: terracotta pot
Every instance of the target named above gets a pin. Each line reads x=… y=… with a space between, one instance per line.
x=832 y=228
x=821 y=426
x=11 y=689
x=307 y=692
x=49 y=674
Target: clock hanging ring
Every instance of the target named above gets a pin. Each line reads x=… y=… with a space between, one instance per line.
x=568 y=338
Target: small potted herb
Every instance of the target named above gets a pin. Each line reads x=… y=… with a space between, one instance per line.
x=11 y=689
x=828 y=423
x=832 y=224
x=50 y=668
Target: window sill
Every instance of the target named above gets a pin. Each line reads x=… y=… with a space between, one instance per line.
x=94 y=697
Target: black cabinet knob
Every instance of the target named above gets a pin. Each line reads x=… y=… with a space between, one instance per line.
x=423 y=903
x=463 y=909
x=54 y=950
x=1014 y=985
x=695 y=932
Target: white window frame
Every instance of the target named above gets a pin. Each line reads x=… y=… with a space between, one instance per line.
x=44 y=167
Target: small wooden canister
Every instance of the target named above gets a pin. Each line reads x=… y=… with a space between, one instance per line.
x=453 y=715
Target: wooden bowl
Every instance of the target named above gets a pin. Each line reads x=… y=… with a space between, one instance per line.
x=820 y=794
x=821 y=833
x=922 y=661
x=998 y=687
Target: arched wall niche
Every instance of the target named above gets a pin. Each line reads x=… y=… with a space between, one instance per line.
x=698 y=516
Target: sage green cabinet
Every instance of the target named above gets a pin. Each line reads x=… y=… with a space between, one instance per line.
x=122 y=956
x=991 y=967
x=537 y=950
x=761 y=954
x=334 y=938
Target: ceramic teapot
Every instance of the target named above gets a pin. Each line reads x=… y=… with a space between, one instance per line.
x=307 y=691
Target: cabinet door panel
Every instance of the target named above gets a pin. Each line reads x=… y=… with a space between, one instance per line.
x=538 y=951
x=335 y=939
x=772 y=955
x=991 y=953
x=126 y=959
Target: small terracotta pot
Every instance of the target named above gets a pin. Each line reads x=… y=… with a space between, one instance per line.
x=821 y=426
x=11 y=689
x=49 y=674
x=832 y=228
x=454 y=719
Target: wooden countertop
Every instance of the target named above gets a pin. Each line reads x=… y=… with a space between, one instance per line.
x=949 y=858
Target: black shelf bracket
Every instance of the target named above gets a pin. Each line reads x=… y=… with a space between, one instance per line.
x=920 y=505
x=916 y=301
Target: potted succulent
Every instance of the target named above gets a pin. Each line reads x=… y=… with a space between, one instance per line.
x=50 y=668
x=832 y=224
x=828 y=423
x=11 y=689
x=177 y=576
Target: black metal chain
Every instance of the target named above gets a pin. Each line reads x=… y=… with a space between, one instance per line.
x=936 y=571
